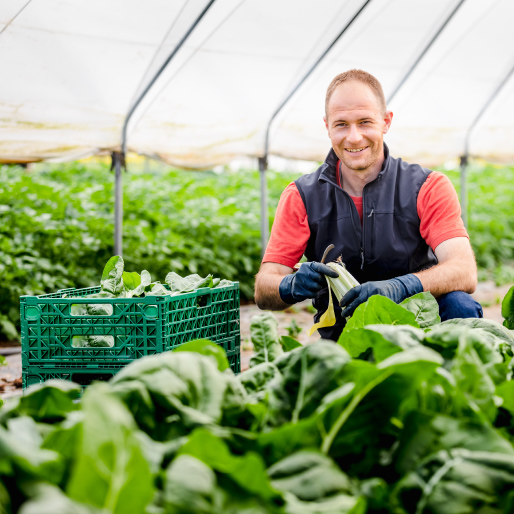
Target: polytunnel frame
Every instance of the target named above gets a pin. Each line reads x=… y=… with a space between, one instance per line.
x=464 y=160
x=119 y=157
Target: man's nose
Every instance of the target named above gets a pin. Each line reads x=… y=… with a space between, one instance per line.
x=354 y=135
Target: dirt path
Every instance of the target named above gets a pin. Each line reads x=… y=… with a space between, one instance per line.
x=295 y=321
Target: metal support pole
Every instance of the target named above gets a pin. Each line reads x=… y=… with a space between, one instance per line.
x=119 y=157
x=464 y=160
x=118 y=161
x=263 y=166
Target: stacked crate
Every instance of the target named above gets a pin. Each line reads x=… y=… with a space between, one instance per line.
x=137 y=327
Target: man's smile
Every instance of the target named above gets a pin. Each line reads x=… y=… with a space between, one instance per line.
x=356 y=150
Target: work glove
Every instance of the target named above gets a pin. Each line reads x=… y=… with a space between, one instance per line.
x=396 y=289
x=305 y=283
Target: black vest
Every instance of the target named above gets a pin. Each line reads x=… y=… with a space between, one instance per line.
x=387 y=245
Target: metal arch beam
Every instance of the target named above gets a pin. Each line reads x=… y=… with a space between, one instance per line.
x=118 y=203
x=465 y=157
x=424 y=51
x=263 y=161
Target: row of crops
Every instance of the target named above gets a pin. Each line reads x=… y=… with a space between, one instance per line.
x=404 y=415
x=56 y=226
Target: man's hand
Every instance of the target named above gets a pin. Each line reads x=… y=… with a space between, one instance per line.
x=305 y=283
x=396 y=289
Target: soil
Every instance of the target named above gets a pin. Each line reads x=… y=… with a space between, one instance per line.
x=295 y=321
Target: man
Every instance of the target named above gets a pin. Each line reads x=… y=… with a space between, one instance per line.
x=396 y=225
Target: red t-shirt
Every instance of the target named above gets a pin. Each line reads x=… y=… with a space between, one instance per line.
x=438 y=210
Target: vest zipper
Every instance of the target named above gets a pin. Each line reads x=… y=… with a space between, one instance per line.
x=372 y=216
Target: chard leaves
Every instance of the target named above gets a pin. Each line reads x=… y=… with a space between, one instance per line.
x=264 y=334
x=112 y=276
x=110 y=470
x=425 y=309
x=508 y=309
x=380 y=310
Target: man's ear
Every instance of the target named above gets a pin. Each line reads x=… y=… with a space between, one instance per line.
x=326 y=122
x=388 y=118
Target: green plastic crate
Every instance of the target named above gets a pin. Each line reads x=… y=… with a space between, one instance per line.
x=137 y=326
x=87 y=374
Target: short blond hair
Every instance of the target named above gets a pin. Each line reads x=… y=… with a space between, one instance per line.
x=359 y=76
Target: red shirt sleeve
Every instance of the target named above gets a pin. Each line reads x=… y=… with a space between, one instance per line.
x=290 y=231
x=439 y=210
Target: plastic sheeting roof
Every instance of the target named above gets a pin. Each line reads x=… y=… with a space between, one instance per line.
x=71 y=70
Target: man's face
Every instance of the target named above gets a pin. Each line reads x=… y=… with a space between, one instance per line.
x=356 y=126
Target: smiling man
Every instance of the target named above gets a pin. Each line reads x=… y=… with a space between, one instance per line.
x=396 y=225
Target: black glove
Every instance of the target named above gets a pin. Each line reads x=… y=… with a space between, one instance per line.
x=397 y=289
x=305 y=283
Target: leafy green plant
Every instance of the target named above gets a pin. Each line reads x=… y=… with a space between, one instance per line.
x=403 y=415
x=293 y=329
x=57 y=222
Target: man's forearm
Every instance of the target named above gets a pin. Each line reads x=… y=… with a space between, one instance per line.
x=267 y=296
x=453 y=275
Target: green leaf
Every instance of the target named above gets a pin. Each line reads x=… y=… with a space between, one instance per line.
x=49 y=402
x=425 y=309
x=110 y=470
x=112 y=276
x=425 y=434
x=489 y=325
x=247 y=470
x=508 y=309
x=190 y=487
x=506 y=392
x=459 y=482
x=8 y=329
x=309 y=475
x=307 y=374
x=178 y=284
x=48 y=499
x=131 y=280
x=289 y=343
x=256 y=379
x=472 y=377
x=264 y=335
x=173 y=392
x=5 y=500
x=21 y=453
x=382 y=340
x=206 y=347
x=380 y=310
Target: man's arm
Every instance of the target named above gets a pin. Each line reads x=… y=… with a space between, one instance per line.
x=276 y=287
x=455 y=271
x=267 y=282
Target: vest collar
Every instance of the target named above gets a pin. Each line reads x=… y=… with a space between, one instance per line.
x=329 y=168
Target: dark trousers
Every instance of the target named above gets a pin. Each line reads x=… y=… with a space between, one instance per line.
x=458 y=304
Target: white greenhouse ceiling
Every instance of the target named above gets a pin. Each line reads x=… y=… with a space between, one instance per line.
x=71 y=70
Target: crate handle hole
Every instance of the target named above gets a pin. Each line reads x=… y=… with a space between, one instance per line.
x=91 y=309
x=203 y=301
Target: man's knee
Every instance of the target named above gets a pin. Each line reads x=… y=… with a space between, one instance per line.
x=458 y=304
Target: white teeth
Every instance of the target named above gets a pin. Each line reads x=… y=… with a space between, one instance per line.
x=355 y=149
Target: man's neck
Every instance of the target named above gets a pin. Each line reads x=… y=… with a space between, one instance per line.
x=353 y=181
